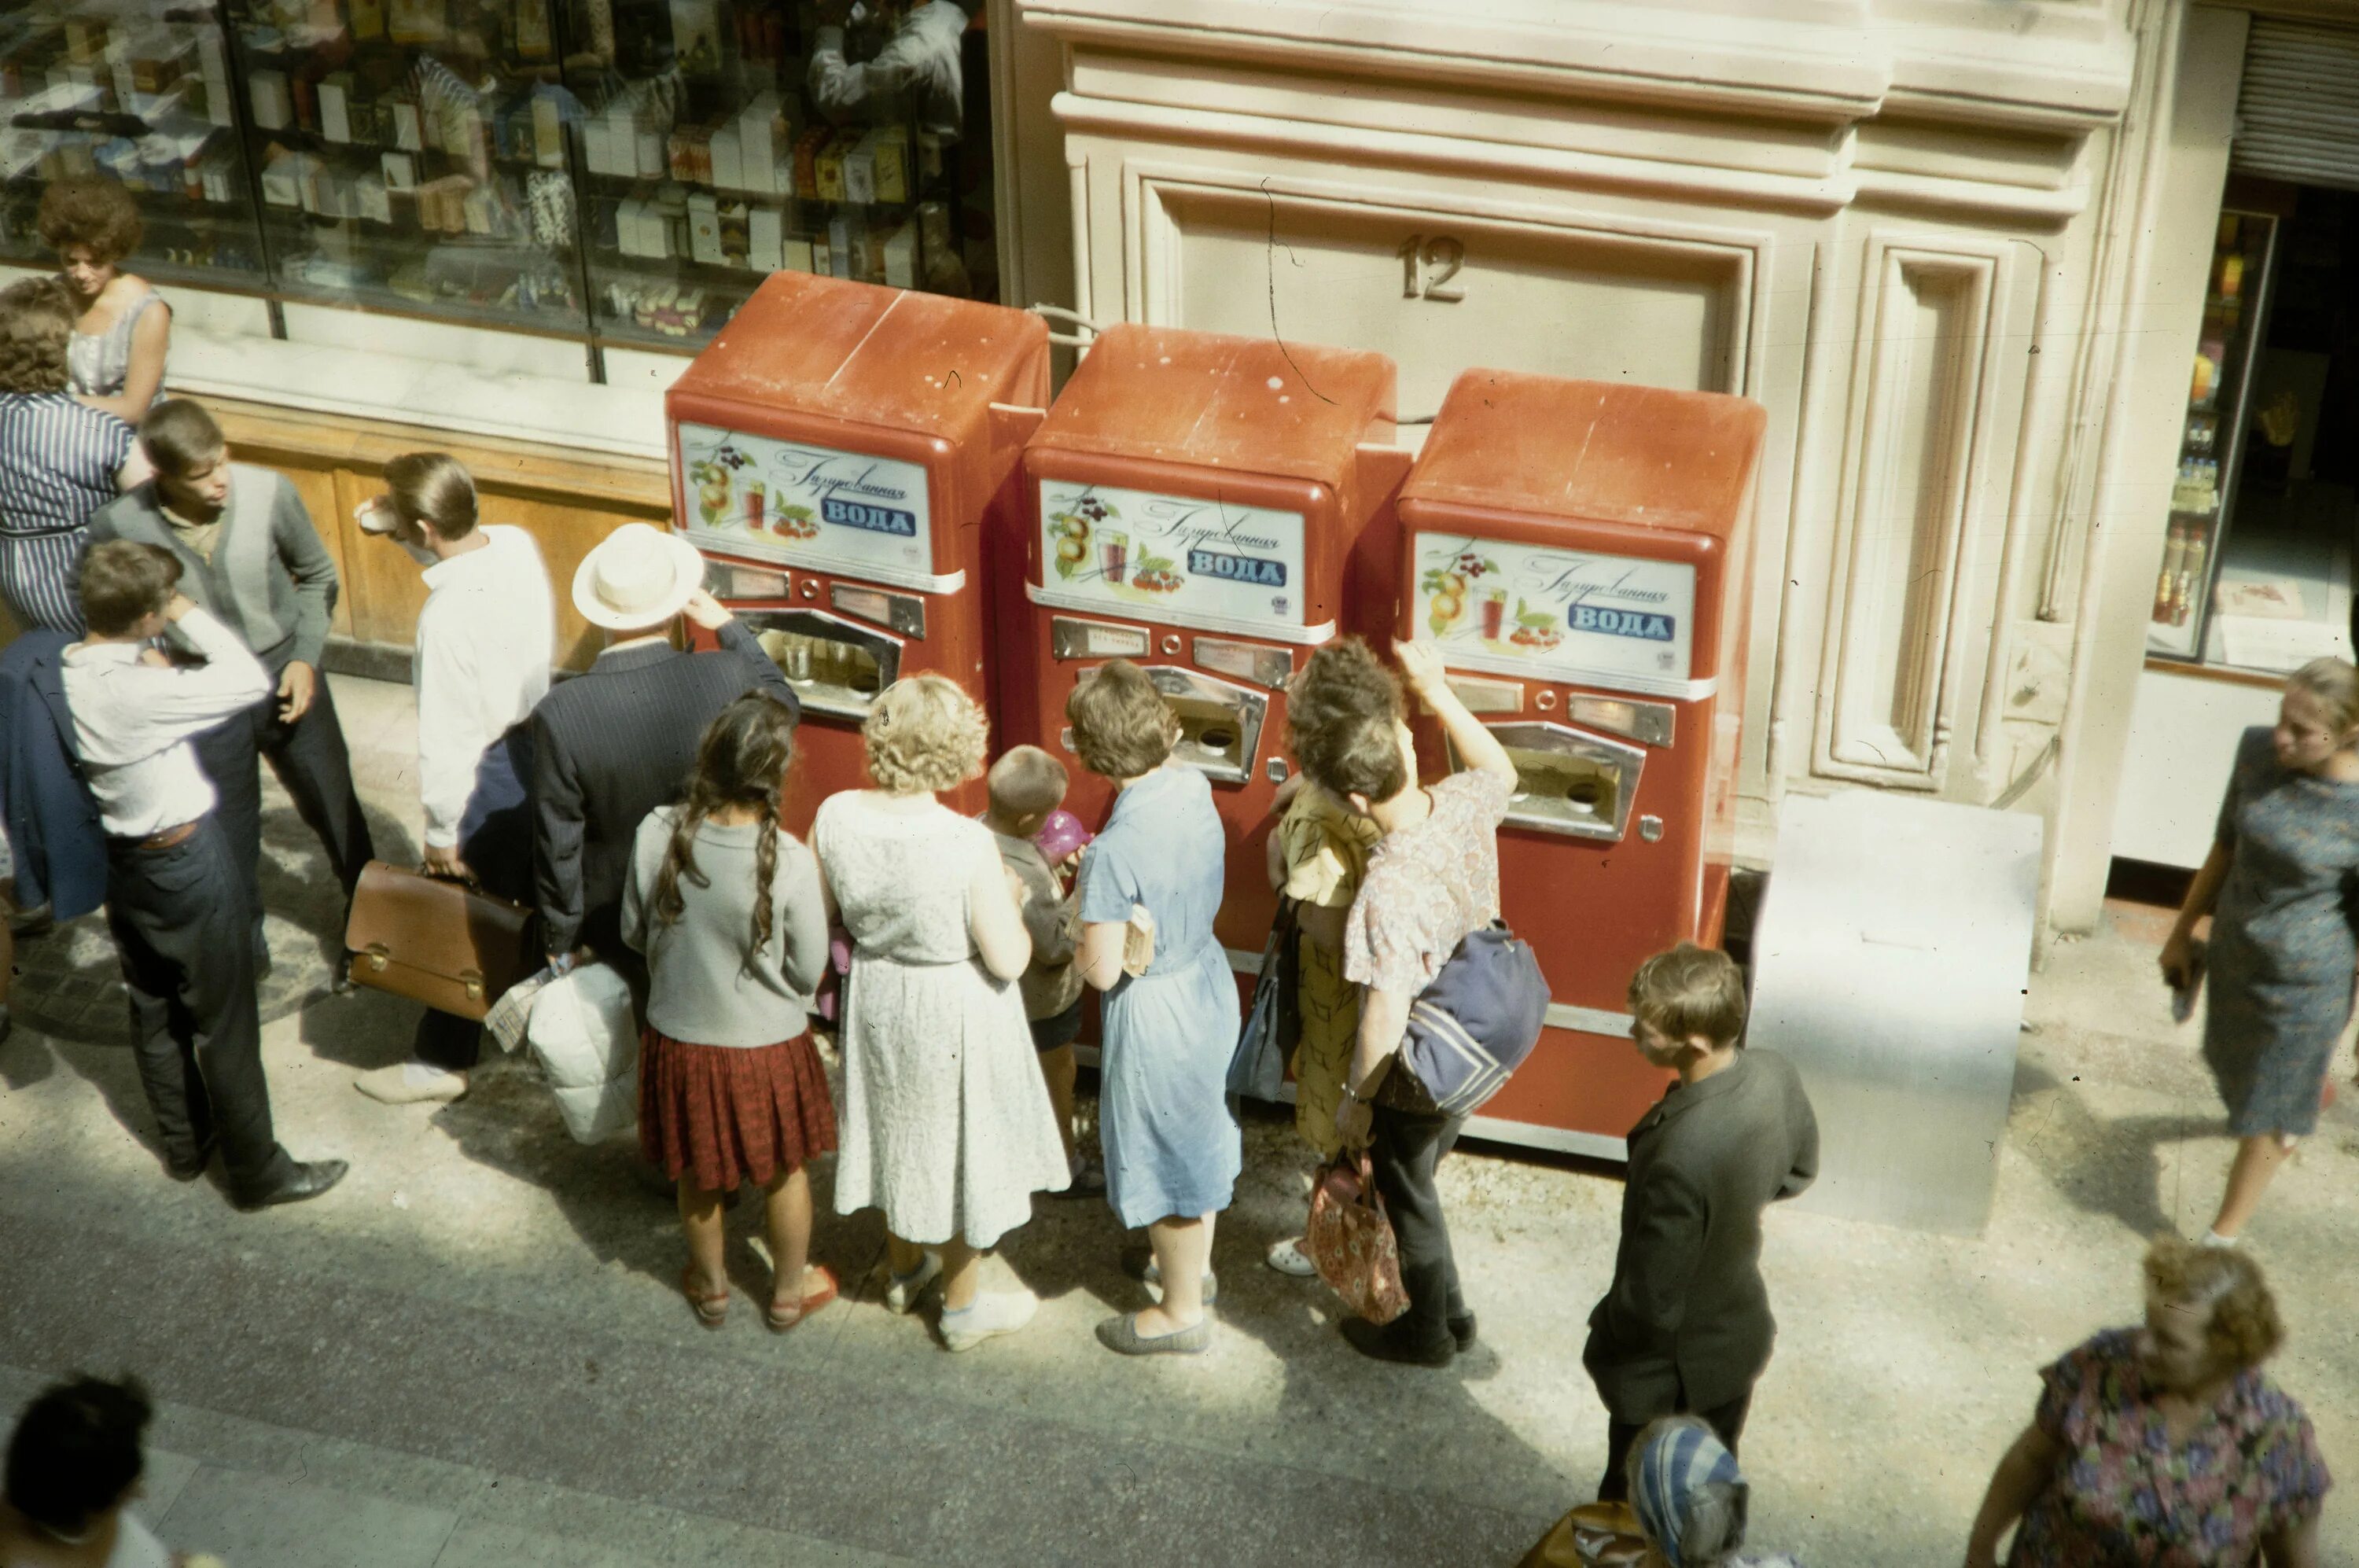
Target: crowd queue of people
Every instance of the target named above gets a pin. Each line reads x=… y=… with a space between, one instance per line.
x=175 y=608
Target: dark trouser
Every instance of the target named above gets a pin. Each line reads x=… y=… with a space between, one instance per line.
x=178 y=919
x=1403 y=1149
x=495 y=841
x=1727 y=1423
x=310 y=759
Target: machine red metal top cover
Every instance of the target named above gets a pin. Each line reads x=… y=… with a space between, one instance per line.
x=836 y=454
x=1577 y=551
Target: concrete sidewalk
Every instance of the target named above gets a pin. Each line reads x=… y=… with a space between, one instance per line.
x=474 y=1350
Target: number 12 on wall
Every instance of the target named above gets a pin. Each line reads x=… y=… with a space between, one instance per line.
x=1428 y=263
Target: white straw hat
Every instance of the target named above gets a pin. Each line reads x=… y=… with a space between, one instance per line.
x=636 y=577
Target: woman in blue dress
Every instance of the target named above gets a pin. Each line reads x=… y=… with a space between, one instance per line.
x=2279 y=885
x=1172 y=1150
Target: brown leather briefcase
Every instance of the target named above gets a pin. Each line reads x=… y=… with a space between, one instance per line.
x=450 y=946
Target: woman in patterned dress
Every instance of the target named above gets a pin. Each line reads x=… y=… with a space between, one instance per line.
x=122 y=329
x=59 y=459
x=946 y=1121
x=2278 y=885
x=2165 y=1447
x=1318 y=856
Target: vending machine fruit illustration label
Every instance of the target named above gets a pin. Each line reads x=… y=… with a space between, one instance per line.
x=1219 y=564
x=1525 y=610
x=808 y=505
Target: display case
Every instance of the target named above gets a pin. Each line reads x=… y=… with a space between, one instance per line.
x=620 y=171
x=129 y=89
x=2212 y=437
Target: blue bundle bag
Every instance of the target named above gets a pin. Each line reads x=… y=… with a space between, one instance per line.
x=1470 y=1030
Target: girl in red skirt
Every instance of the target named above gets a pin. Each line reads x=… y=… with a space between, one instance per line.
x=726 y=906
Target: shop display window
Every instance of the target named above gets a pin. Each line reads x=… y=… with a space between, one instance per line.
x=622 y=171
x=2257 y=571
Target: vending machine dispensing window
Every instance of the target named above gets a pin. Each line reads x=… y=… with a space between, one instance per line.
x=1577 y=551
x=839 y=453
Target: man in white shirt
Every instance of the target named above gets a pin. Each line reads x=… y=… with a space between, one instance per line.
x=481 y=664
x=917 y=67
x=174 y=900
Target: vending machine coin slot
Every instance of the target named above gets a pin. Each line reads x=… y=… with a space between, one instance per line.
x=834 y=665
x=1482 y=696
x=903 y=613
x=1566 y=782
x=1268 y=667
x=1653 y=722
x=729 y=580
x=1220 y=723
x=1070 y=637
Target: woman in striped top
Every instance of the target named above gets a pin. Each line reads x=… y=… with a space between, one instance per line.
x=60 y=460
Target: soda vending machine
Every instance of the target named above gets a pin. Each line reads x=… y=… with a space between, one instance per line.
x=838 y=453
x=1577 y=551
x=1193 y=499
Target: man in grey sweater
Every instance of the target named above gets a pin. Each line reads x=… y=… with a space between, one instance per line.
x=249 y=554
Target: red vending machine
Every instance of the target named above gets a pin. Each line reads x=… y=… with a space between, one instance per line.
x=838 y=453
x=1578 y=550
x=1193 y=499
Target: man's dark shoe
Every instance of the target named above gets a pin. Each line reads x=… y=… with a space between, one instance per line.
x=1388 y=1342
x=188 y=1170
x=304 y=1180
x=1461 y=1330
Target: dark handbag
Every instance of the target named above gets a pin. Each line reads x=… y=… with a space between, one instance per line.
x=448 y=944
x=1350 y=1240
x=1470 y=1029
x=1273 y=1022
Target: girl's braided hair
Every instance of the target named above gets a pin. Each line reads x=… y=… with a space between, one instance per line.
x=741 y=761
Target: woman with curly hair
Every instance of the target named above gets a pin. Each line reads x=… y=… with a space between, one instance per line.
x=2165 y=1444
x=725 y=904
x=122 y=326
x=60 y=461
x=947 y=1125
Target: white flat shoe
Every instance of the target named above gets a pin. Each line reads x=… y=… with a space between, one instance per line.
x=995 y=1313
x=1288 y=1258
x=904 y=1291
x=412 y=1083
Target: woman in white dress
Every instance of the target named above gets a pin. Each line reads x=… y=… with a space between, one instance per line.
x=74 y=1462
x=945 y=1122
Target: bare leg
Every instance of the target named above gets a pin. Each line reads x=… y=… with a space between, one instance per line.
x=701 y=1219
x=1183 y=1249
x=787 y=1212
x=962 y=1274
x=1059 y=1068
x=2257 y=1160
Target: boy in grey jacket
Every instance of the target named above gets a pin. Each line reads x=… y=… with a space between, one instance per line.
x=249 y=554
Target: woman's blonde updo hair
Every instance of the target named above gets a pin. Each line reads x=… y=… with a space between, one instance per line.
x=2244 y=1329
x=2335 y=683
x=924 y=734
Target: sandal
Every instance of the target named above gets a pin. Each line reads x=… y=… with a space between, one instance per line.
x=782 y=1317
x=711 y=1310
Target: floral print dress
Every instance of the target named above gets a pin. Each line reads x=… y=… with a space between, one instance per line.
x=2127 y=1495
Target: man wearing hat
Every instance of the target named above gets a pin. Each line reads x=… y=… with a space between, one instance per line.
x=613 y=744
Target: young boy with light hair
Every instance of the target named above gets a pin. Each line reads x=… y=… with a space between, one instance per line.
x=1685 y=1325
x=1026 y=785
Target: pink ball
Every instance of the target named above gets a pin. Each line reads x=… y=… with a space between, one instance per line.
x=1061 y=835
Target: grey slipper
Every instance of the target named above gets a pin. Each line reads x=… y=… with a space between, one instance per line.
x=1121 y=1335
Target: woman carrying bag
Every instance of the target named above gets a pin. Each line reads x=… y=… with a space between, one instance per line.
x=2278 y=885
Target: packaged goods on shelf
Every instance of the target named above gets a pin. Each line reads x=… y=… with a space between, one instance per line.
x=766 y=233
x=889 y=149
x=274 y=109
x=400 y=171
x=766 y=146
x=728 y=167
x=417 y=21
x=284 y=172
x=897 y=250
x=335 y=99
x=795 y=255
x=704 y=229
x=827 y=165
x=367 y=19
x=408 y=127
x=533 y=36
x=375 y=201
x=860 y=170
x=806 y=161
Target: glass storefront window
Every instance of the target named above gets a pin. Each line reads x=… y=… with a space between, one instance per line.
x=622 y=171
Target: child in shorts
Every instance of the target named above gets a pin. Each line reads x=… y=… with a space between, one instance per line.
x=1026 y=785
